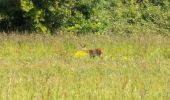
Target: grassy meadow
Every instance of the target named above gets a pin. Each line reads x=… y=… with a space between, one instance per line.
x=37 y=67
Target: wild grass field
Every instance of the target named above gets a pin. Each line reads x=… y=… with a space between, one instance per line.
x=37 y=67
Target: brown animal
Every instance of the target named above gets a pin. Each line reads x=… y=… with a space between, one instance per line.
x=94 y=52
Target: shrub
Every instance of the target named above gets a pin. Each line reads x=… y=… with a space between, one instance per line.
x=84 y=16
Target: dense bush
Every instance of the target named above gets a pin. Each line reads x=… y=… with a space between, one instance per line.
x=74 y=15
x=81 y=16
x=10 y=14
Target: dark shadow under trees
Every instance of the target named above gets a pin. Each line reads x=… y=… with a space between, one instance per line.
x=12 y=16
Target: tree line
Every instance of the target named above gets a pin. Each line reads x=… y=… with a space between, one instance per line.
x=81 y=16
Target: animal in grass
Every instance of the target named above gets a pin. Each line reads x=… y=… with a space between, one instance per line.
x=93 y=52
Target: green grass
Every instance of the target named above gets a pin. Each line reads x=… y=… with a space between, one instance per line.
x=37 y=67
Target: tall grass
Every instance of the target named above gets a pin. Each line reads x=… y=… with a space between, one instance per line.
x=37 y=67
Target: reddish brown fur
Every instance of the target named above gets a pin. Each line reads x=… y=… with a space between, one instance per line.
x=95 y=52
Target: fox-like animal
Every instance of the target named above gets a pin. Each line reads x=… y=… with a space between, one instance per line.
x=94 y=52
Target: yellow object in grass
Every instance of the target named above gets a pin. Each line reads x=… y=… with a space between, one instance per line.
x=80 y=54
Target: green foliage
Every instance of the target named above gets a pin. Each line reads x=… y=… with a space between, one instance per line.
x=10 y=14
x=83 y=16
x=34 y=16
x=68 y=15
x=146 y=14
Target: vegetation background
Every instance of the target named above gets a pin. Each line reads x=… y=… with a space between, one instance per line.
x=41 y=56
x=82 y=16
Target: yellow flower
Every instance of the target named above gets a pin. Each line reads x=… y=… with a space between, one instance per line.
x=80 y=54
x=125 y=58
